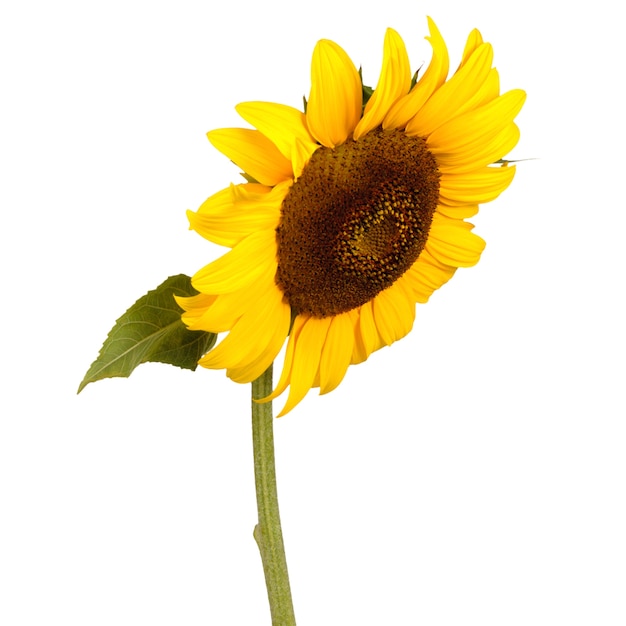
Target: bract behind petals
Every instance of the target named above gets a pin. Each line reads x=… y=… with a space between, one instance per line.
x=334 y=105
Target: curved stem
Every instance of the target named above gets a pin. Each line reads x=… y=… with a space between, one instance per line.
x=267 y=532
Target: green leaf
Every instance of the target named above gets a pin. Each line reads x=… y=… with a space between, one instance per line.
x=151 y=330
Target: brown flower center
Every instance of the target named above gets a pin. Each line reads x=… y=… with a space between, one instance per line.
x=355 y=221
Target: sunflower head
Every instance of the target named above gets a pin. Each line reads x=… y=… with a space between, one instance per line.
x=383 y=190
x=357 y=211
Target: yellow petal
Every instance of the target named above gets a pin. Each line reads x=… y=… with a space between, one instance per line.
x=306 y=360
x=478 y=187
x=394 y=82
x=251 y=192
x=454 y=94
x=367 y=339
x=425 y=276
x=359 y=353
x=246 y=341
x=334 y=105
x=252 y=370
x=476 y=155
x=281 y=124
x=285 y=375
x=274 y=340
x=477 y=126
x=223 y=202
x=230 y=230
x=249 y=211
x=394 y=314
x=222 y=314
x=474 y=41
x=336 y=352
x=254 y=153
x=457 y=212
x=489 y=90
x=300 y=156
x=194 y=307
x=239 y=267
x=450 y=242
x=442 y=220
x=407 y=106
x=218 y=203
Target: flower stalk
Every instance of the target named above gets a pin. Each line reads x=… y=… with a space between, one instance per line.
x=268 y=533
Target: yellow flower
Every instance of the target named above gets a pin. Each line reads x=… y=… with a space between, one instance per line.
x=357 y=213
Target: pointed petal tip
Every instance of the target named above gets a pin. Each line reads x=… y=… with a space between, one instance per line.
x=334 y=104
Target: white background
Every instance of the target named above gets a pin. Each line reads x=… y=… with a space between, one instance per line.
x=473 y=473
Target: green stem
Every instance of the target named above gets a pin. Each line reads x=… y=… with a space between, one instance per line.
x=267 y=532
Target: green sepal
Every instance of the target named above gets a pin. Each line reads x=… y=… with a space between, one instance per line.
x=248 y=178
x=505 y=162
x=151 y=331
x=367 y=91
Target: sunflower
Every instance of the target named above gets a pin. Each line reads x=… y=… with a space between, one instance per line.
x=354 y=211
